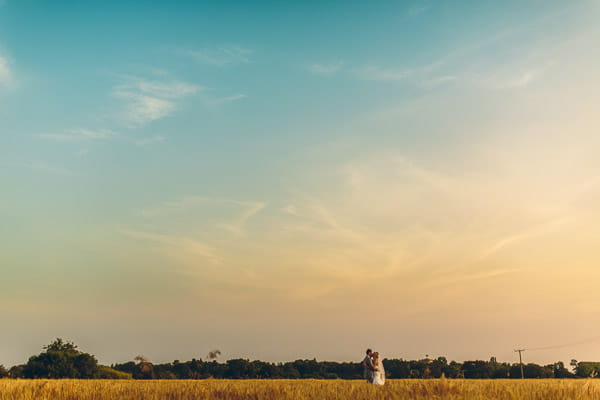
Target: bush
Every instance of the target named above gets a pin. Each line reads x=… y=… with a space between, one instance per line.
x=105 y=372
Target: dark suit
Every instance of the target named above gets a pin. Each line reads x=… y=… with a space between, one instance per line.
x=369 y=368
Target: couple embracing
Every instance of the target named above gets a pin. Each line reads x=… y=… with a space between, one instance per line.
x=373 y=368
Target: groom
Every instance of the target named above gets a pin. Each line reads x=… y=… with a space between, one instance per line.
x=368 y=367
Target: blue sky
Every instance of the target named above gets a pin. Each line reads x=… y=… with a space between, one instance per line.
x=166 y=165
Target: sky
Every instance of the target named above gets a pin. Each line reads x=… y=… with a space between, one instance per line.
x=285 y=180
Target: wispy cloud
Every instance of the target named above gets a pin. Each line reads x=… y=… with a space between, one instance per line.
x=375 y=73
x=239 y=211
x=150 y=140
x=220 y=56
x=425 y=76
x=325 y=69
x=192 y=228
x=236 y=226
x=291 y=209
x=550 y=226
x=178 y=246
x=79 y=134
x=209 y=101
x=510 y=81
x=522 y=80
x=437 y=81
x=418 y=9
x=455 y=279
x=168 y=90
x=142 y=109
x=451 y=225
x=7 y=78
x=148 y=101
x=235 y=97
x=82 y=152
x=450 y=67
x=44 y=167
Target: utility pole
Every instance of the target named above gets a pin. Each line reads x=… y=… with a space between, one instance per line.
x=521 y=361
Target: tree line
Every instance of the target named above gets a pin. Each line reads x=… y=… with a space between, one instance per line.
x=63 y=359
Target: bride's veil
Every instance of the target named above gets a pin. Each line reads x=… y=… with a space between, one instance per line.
x=381 y=370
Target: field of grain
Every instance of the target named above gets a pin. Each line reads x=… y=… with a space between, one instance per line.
x=298 y=389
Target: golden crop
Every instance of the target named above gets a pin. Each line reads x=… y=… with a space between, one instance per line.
x=298 y=389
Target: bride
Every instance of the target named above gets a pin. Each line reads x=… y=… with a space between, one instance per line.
x=379 y=373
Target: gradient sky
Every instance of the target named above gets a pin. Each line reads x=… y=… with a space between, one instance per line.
x=286 y=180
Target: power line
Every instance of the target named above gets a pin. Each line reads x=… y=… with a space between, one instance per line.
x=558 y=346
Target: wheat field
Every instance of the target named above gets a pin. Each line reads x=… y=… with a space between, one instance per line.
x=298 y=389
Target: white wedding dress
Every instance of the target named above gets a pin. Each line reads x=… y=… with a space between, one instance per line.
x=379 y=375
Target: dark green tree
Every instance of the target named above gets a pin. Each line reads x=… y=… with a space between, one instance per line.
x=478 y=369
x=536 y=371
x=63 y=346
x=16 y=371
x=239 y=369
x=559 y=370
x=453 y=370
x=587 y=369
x=61 y=359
